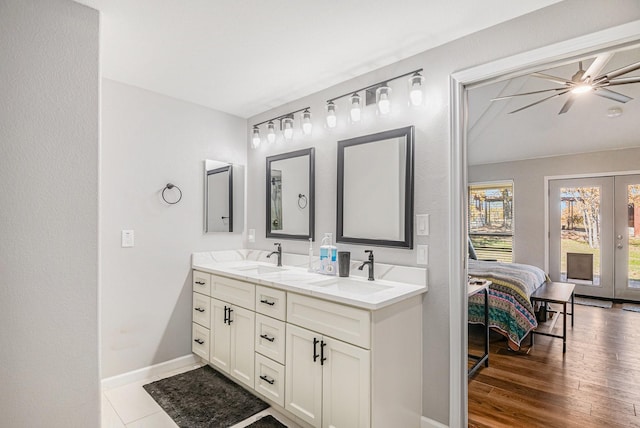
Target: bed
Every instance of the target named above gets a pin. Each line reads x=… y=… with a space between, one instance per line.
x=510 y=309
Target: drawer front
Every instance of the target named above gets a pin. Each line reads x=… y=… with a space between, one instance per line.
x=233 y=291
x=270 y=379
x=342 y=322
x=270 y=334
x=271 y=302
x=200 y=341
x=202 y=310
x=202 y=283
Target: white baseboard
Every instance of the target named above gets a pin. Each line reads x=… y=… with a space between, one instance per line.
x=150 y=371
x=425 y=422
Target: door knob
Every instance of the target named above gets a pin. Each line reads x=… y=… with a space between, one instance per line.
x=619 y=237
x=619 y=246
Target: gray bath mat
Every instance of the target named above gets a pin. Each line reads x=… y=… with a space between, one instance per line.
x=631 y=307
x=204 y=398
x=267 y=422
x=593 y=302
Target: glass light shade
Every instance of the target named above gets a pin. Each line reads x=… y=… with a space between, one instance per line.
x=287 y=128
x=255 y=140
x=271 y=132
x=355 y=109
x=307 y=126
x=581 y=89
x=416 y=89
x=383 y=99
x=331 y=115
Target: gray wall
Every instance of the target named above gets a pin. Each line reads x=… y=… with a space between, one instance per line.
x=49 y=135
x=149 y=140
x=528 y=177
x=559 y=22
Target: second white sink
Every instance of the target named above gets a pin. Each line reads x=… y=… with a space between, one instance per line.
x=351 y=285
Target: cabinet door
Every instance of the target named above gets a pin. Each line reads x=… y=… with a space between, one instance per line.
x=346 y=384
x=242 y=358
x=303 y=376
x=220 y=353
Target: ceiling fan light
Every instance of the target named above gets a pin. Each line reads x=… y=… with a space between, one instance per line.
x=581 y=89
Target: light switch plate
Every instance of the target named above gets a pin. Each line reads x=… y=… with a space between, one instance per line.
x=252 y=235
x=127 y=238
x=422 y=224
x=422 y=257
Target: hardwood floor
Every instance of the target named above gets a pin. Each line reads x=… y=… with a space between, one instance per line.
x=595 y=384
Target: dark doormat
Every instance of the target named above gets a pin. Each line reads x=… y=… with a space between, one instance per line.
x=267 y=422
x=204 y=398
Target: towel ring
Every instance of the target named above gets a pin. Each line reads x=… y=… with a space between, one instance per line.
x=171 y=186
x=302 y=201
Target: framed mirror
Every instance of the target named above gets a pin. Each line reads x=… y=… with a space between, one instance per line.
x=375 y=189
x=290 y=198
x=223 y=197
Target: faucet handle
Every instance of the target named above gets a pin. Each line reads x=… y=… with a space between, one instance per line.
x=370 y=254
x=277 y=243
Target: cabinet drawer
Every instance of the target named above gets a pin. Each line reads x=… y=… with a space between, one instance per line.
x=233 y=291
x=270 y=379
x=200 y=341
x=270 y=334
x=202 y=310
x=341 y=322
x=271 y=302
x=202 y=282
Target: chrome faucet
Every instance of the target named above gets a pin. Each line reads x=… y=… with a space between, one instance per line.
x=369 y=263
x=278 y=252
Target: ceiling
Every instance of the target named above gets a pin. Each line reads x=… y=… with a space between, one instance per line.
x=247 y=56
x=539 y=131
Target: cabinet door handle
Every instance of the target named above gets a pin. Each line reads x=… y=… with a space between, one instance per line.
x=315 y=352
x=200 y=282
x=229 y=321
x=266 y=302
x=266 y=379
x=199 y=309
x=265 y=337
x=322 y=357
x=226 y=317
x=199 y=341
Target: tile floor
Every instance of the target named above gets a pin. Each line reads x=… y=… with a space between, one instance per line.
x=129 y=406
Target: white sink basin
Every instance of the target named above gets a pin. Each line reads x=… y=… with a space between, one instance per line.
x=260 y=269
x=352 y=285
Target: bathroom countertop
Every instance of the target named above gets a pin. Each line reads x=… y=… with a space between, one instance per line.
x=353 y=290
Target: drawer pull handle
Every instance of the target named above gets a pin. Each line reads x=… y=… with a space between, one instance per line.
x=315 y=352
x=199 y=309
x=229 y=320
x=265 y=337
x=266 y=379
x=322 y=357
x=266 y=302
x=200 y=282
x=199 y=341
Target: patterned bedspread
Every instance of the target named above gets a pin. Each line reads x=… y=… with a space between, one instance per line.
x=510 y=309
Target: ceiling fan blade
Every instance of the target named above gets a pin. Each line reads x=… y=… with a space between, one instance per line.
x=506 y=97
x=597 y=66
x=615 y=96
x=567 y=105
x=623 y=81
x=619 y=72
x=539 y=101
x=555 y=79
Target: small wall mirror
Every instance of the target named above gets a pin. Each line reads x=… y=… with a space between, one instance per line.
x=223 y=197
x=375 y=189
x=290 y=209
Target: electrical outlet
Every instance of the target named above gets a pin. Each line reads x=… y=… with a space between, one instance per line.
x=127 y=238
x=423 y=255
x=422 y=224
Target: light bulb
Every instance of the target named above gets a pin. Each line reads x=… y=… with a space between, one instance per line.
x=416 y=94
x=382 y=99
x=355 y=111
x=416 y=98
x=271 y=132
x=582 y=88
x=255 y=141
x=331 y=115
x=287 y=123
x=307 y=126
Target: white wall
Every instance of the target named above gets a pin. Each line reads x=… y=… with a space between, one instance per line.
x=49 y=136
x=528 y=178
x=149 y=140
x=562 y=21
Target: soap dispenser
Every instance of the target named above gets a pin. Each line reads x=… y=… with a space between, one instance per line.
x=328 y=255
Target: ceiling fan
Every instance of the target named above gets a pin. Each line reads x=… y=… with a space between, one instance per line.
x=584 y=81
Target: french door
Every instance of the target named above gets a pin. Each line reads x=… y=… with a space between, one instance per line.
x=594 y=235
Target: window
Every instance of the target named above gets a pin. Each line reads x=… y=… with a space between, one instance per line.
x=491 y=220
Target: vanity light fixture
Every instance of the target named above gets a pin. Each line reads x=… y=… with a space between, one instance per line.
x=286 y=126
x=355 y=109
x=331 y=115
x=416 y=89
x=383 y=99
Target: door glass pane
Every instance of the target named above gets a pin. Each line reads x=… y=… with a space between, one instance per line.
x=580 y=229
x=633 y=207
